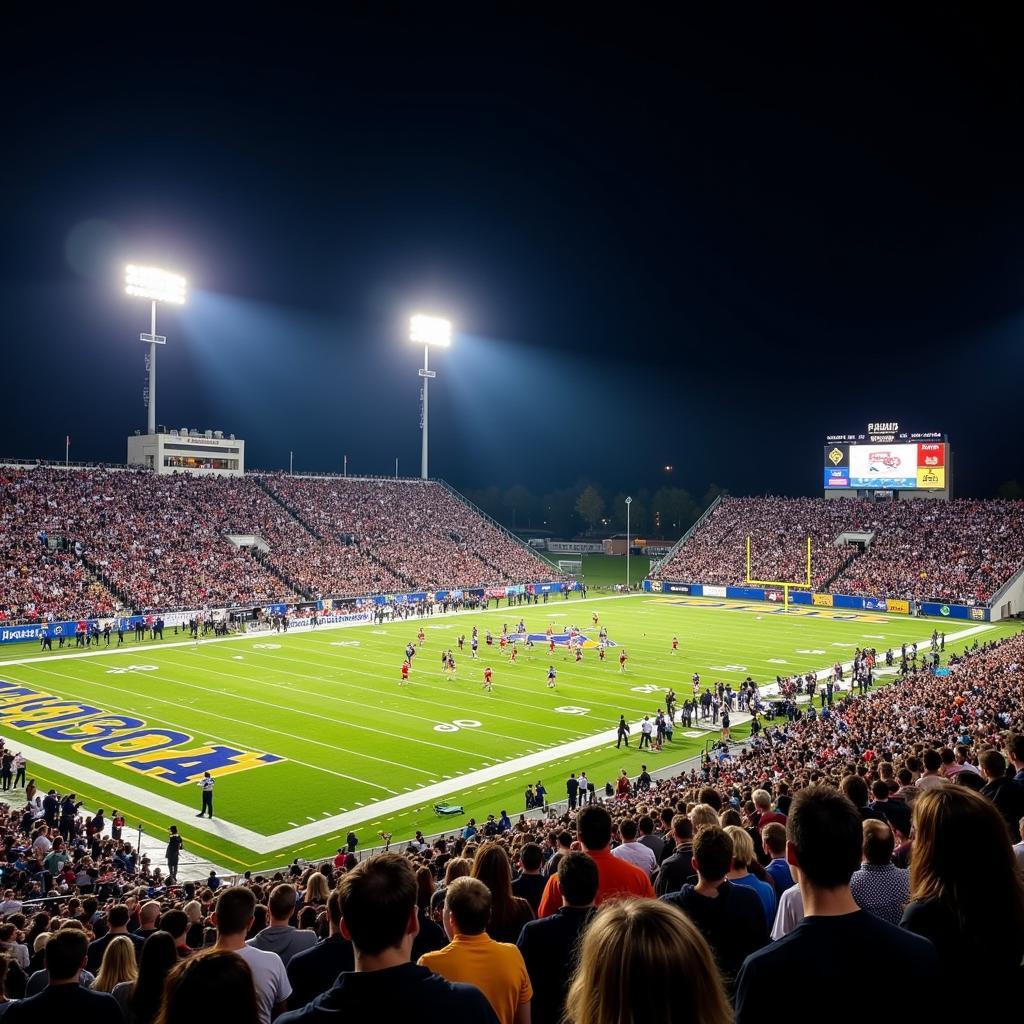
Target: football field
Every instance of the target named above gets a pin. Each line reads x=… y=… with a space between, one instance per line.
x=310 y=734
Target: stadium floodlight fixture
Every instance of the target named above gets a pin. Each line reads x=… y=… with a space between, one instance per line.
x=430 y=330
x=426 y=331
x=157 y=286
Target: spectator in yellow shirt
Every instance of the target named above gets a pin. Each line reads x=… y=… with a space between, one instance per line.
x=472 y=956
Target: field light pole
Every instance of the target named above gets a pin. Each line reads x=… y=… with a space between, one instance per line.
x=157 y=286
x=629 y=501
x=427 y=331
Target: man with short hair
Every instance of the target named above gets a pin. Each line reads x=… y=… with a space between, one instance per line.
x=279 y=936
x=149 y=915
x=64 y=998
x=763 y=808
x=549 y=946
x=379 y=917
x=878 y=886
x=117 y=924
x=312 y=971
x=677 y=868
x=529 y=884
x=824 y=840
x=1006 y=794
x=473 y=957
x=648 y=838
x=616 y=877
x=932 y=776
x=633 y=852
x=233 y=917
x=773 y=837
x=731 y=917
x=175 y=923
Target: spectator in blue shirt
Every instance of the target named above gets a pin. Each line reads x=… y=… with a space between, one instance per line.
x=742 y=858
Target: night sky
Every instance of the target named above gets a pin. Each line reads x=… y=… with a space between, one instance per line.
x=695 y=243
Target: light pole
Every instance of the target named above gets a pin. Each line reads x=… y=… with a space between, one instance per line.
x=629 y=501
x=157 y=286
x=427 y=331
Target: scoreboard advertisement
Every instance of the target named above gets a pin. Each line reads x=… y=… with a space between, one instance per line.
x=886 y=462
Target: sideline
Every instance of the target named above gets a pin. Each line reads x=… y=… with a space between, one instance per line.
x=259 y=843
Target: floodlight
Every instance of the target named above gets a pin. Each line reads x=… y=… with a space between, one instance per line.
x=155 y=284
x=430 y=330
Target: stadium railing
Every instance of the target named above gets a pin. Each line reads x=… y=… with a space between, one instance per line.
x=685 y=537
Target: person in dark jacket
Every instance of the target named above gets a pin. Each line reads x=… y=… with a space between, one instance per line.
x=677 y=868
x=1000 y=788
x=379 y=917
x=312 y=972
x=549 y=945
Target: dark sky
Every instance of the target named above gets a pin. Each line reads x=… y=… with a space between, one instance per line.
x=690 y=242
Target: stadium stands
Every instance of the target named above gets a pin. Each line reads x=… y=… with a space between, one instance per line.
x=961 y=550
x=78 y=542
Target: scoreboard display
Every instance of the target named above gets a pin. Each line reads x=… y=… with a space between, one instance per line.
x=886 y=460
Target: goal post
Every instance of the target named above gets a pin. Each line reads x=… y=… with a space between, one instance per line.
x=574 y=567
x=804 y=584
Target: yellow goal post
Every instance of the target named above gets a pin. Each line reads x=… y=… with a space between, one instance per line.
x=804 y=584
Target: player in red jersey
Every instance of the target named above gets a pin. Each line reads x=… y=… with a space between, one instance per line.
x=405 y=672
x=675 y=644
x=502 y=643
x=579 y=652
x=622 y=660
x=600 y=651
x=421 y=636
x=513 y=655
x=551 y=644
x=487 y=678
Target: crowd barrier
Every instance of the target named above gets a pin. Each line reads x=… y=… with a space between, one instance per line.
x=852 y=602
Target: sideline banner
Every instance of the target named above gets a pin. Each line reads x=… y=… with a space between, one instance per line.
x=821 y=600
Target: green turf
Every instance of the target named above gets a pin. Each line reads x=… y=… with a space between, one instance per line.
x=606 y=571
x=328 y=701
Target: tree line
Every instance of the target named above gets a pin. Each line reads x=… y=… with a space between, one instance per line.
x=586 y=509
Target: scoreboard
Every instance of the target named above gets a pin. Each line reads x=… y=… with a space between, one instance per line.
x=886 y=459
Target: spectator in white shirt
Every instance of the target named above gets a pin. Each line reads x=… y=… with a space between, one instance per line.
x=233 y=918
x=633 y=852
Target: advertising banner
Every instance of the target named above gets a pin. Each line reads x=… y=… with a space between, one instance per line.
x=874 y=604
x=931 y=477
x=837 y=477
x=895 y=604
x=676 y=588
x=821 y=600
x=574 y=547
x=955 y=611
x=711 y=590
x=745 y=593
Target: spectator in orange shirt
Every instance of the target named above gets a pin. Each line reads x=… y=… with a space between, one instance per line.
x=474 y=958
x=615 y=877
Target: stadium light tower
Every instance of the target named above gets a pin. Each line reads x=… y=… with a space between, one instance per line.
x=629 y=501
x=157 y=286
x=427 y=331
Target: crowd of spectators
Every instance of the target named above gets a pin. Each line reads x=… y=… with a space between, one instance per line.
x=961 y=550
x=76 y=543
x=888 y=826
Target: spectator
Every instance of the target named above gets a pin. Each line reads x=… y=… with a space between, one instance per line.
x=529 y=883
x=508 y=912
x=790 y=912
x=117 y=924
x=214 y=985
x=549 y=946
x=140 y=998
x=773 y=836
x=175 y=923
x=633 y=957
x=878 y=886
x=633 y=852
x=825 y=839
x=379 y=917
x=232 y=918
x=118 y=965
x=615 y=877
x=730 y=917
x=742 y=858
x=966 y=895
x=1000 y=788
x=65 y=998
x=312 y=971
x=473 y=957
x=280 y=937
x=677 y=868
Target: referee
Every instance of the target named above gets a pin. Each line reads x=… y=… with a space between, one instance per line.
x=206 y=784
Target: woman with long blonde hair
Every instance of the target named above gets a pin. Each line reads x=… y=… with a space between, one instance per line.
x=632 y=958
x=117 y=965
x=966 y=894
